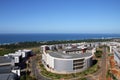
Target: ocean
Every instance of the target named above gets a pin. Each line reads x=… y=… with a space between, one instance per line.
x=13 y=38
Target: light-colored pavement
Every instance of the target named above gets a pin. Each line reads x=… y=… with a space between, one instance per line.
x=104 y=65
x=35 y=70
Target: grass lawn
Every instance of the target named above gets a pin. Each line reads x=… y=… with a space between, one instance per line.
x=80 y=75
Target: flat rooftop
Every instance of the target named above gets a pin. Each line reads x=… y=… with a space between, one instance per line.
x=69 y=52
x=69 y=56
x=4 y=59
x=8 y=76
x=5 y=69
x=77 y=49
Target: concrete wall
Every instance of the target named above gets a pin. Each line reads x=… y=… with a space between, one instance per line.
x=88 y=62
x=116 y=58
x=63 y=65
x=50 y=61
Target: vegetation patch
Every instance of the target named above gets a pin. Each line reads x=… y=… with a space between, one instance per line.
x=98 y=53
x=27 y=77
x=9 y=48
x=79 y=75
x=6 y=51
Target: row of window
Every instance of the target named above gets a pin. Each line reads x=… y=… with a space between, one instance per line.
x=76 y=68
x=79 y=64
x=79 y=60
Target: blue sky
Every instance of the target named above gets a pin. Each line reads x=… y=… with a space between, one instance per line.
x=59 y=16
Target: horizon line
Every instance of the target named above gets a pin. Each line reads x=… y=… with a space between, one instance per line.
x=59 y=33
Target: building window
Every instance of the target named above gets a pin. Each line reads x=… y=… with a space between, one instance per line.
x=79 y=60
x=78 y=64
x=76 y=68
x=48 y=66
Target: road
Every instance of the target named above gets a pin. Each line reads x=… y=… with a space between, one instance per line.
x=101 y=73
x=35 y=70
x=104 y=65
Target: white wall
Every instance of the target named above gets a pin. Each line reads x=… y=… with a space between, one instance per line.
x=50 y=61
x=16 y=72
x=23 y=54
x=16 y=59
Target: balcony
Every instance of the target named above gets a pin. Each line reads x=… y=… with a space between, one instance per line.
x=77 y=67
x=78 y=64
x=79 y=60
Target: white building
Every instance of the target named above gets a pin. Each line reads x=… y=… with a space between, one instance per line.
x=25 y=52
x=68 y=60
x=15 y=59
x=16 y=70
x=116 y=52
x=115 y=49
x=7 y=68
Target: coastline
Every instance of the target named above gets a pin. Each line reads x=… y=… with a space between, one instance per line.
x=44 y=42
x=6 y=39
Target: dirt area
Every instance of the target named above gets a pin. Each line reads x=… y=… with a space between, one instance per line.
x=113 y=68
x=109 y=78
x=112 y=62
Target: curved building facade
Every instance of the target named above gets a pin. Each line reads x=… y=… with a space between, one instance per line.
x=66 y=61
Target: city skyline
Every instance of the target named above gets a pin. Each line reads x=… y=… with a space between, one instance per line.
x=60 y=16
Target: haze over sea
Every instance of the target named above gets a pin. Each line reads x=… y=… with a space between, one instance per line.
x=13 y=38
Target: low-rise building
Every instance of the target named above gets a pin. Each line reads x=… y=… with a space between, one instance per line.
x=10 y=63
x=6 y=67
x=115 y=50
x=70 y=59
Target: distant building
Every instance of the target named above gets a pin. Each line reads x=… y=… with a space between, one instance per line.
x=15 y=57
x=19 y=55
x=70 y=58
x=115 y=50
x=24 y=53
